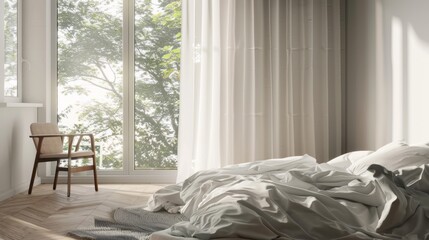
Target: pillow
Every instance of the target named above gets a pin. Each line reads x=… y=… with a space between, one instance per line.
x=392 y=156
x=344 y=161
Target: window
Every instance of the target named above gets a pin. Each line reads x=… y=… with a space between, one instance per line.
x=118 y=76
x=156 y=83
x=90 y=96
x=11 y=78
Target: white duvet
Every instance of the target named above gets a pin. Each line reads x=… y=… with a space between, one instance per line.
x=296 y=198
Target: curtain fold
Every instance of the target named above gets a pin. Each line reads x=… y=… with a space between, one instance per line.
x=259 y=79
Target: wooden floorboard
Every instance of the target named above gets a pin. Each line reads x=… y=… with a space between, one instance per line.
x=49 y=214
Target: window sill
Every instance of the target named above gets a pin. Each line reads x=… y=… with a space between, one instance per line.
x=115 y=179
x=19 y=105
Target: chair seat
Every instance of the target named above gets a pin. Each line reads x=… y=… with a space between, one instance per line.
x=64 y=155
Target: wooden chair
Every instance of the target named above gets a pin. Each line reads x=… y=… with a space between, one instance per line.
x=49 y=145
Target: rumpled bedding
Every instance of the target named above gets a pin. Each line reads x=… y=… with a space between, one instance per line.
x=296 y=198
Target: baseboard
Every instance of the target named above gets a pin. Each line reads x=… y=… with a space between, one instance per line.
x=24 y=186
x=18 y=189
x=7 y=194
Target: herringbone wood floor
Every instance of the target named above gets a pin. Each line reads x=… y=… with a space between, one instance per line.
x=49 y=214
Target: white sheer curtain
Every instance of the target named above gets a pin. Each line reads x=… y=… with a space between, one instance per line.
x=259 y=79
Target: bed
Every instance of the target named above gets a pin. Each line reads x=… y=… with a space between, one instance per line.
x=358 y=195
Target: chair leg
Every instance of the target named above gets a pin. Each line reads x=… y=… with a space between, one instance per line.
x=56 y=174
x=95 y=174
x=33 y=175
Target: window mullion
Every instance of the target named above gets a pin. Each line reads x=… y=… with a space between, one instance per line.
x=129 y=85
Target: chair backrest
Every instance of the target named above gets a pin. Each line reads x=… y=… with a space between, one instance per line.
x=51 y=144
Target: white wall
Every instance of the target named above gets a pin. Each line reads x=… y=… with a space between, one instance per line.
x=387 y=72
x=16 y=148
x=36 y=67
x=17 y=151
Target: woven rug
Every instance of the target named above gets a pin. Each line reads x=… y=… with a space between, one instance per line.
x=129 y=224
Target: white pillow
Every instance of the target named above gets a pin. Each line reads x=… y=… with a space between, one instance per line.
x=392 y=156
x=344 y=161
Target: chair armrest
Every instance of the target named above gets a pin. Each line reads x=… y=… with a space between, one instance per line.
x=61 y=135
x=46 y=135
x=70 y=137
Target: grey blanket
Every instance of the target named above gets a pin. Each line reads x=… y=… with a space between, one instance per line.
x=129 y=224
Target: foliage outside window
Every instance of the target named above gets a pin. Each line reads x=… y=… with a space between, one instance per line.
x=157 y=65
x=10 y=48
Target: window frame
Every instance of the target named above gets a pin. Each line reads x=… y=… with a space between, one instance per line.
x=128 y=174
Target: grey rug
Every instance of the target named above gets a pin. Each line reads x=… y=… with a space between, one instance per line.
x=129 y=224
